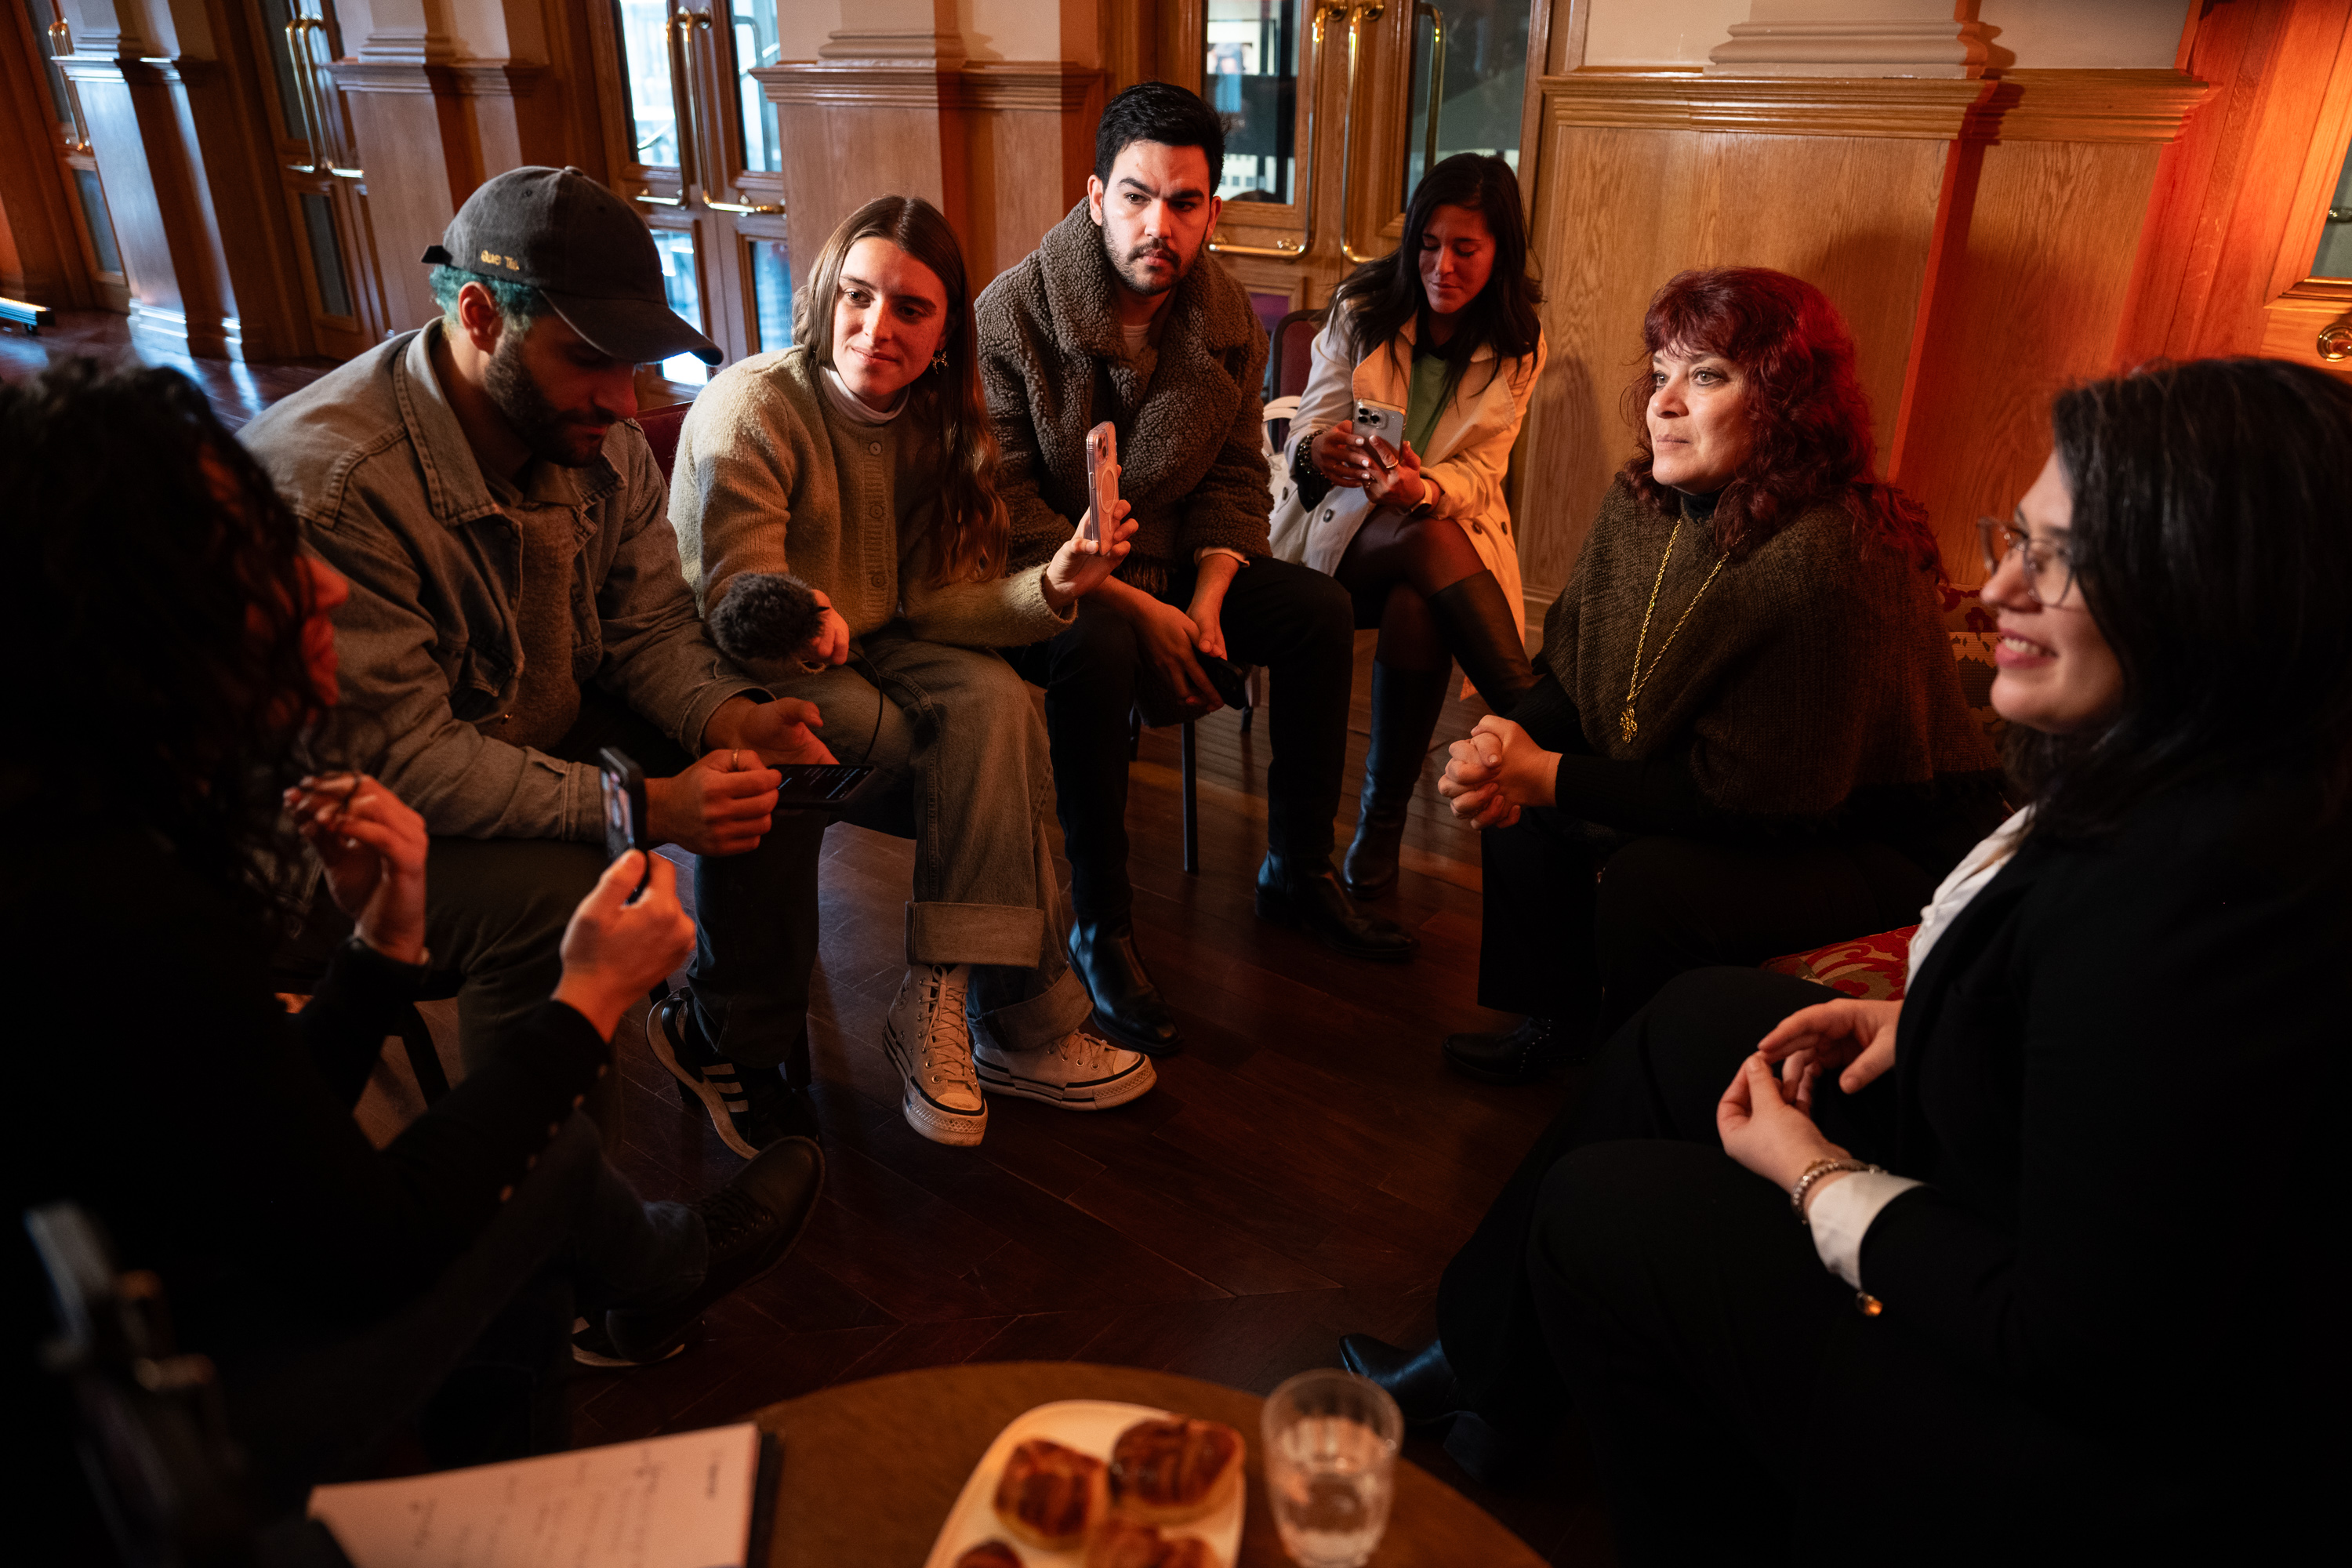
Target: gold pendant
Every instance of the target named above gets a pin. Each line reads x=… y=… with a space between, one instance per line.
x=1625 y=724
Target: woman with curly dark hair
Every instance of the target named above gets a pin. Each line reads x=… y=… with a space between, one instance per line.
x=162 y=770
x=1747 y=720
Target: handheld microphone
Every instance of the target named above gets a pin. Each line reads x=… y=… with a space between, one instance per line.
x=766 y=616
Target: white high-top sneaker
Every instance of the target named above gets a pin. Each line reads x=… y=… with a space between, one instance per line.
x=930 y=1043
x=1080 y=1071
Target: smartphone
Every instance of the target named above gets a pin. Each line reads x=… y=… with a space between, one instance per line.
x=1379 y=426
x=1102 y=480
x=624 y=785
x=822 y=786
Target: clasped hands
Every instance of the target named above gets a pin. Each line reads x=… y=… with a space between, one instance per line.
x=374 y=847
x=1766 y=1122
x=1342 y=457
x=1498 y=772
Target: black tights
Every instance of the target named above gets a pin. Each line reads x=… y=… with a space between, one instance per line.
x=1391 y=567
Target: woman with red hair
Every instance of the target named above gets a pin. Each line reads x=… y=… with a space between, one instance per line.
x=1747 y=734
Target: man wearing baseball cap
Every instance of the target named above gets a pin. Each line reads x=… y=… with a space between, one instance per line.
x=515 y=605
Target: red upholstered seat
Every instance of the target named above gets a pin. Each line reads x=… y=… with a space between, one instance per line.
x=1871 y=967
x=661 y=427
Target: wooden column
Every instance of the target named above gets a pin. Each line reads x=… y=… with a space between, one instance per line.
x=189 y=166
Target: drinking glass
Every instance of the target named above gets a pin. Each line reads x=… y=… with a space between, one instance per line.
x=1330 y=1452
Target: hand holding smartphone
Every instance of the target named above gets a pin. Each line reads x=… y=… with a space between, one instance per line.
x=1102 y=480
x=623 y=786
x=1379 y=428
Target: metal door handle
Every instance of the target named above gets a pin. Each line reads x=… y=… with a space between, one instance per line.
x=680 y=28
x=763 y=209
x=61 y=44
x=1358 y=15
x=2336 y=339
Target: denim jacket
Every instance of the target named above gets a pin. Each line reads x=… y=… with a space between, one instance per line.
x=373 y=462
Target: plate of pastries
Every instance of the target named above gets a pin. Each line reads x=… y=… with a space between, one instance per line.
x=1090 y=1483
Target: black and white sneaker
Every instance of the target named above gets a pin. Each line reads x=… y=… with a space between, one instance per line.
x=750 y=1107
x=1080 y=1071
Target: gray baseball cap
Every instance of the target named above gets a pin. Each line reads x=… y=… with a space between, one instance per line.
x=585 y=248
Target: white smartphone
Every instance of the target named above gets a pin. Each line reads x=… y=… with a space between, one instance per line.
x=1102 y=480
x=1380 y=427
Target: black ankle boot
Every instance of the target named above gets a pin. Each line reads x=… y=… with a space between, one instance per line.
x=1309 y=899
x=1420 y=1382
x=1527 y=1054
x=1477 y=622
x=1127 y=1005
x=1405 y=706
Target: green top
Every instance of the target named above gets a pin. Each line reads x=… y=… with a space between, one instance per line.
x=1425 y=401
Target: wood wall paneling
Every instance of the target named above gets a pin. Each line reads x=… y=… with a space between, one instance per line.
x=1002 y=147
x=1978 y=236
x=403 y=126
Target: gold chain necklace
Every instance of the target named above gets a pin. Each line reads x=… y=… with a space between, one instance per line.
x=1626 y=725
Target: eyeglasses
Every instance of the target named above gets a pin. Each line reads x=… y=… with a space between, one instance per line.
x=2049 y=566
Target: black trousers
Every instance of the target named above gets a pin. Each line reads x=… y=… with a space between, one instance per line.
x=1738 y=1407
x=1584 y=923
x=1299 y=624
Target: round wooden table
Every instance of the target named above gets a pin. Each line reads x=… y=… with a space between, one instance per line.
x=871 y=1468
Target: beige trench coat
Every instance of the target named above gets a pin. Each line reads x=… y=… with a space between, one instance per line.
x=1469 y=452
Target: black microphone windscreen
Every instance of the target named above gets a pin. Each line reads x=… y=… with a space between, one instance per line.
x=766 y=614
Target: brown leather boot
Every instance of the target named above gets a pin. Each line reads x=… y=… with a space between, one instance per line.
x=1477 y=622
x=1405 y=706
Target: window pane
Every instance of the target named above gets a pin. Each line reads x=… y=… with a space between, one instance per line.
x=101 y=224
x=41 y=15
x=676 y=247
x=326 y=255
x=772 y=293
x=275 y=15
x=2335 y=257
x=756 y=45
x=642 y=26
x=1251 y=74
x=1475 y=52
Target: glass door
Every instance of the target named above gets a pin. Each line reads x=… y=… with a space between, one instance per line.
x=320 y=175
x=1335 y=109
x=701 y=156
x=77 y=169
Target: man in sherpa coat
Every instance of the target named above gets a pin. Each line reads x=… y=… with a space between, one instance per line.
x=1121 y=315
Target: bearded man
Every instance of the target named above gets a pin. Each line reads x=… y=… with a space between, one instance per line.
x=515 y=605
x=1121 y=314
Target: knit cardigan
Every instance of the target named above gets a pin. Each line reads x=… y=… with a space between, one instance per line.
x=1817 y=668
x=768 y=478
x=1188 y=410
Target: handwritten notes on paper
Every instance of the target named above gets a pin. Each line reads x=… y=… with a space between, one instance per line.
x=682 y=1501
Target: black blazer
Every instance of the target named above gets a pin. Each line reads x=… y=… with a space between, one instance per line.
x=2122 y=1072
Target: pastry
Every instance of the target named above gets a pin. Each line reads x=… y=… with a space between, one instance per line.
x=1175 y=1469
x=1049 y=1495
x=1124 y=1543
x=990 y=1555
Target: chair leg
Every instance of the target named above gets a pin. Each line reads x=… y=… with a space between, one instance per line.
x=1192 y=803
x=1134 y=733
x=423 y=1059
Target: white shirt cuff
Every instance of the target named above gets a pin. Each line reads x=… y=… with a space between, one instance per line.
x=1840 y=1214
x=1208 y=549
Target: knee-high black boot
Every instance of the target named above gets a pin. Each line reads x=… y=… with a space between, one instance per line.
x=1405 y=706
x=1475 y=620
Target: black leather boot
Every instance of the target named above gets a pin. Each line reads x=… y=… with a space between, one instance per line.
x=1405 y=706
x=1127 y=1005
x=1309 y=899
x=1477 y=622
x=1420 y=1382
x=1527 y=1054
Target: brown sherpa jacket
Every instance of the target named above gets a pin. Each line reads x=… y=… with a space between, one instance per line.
x=1813 y=670
x=1188 y=411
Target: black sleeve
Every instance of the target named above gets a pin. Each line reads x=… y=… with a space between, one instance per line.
x=361 y=1001
x=1658 y=794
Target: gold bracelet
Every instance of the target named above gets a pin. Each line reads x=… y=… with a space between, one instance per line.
x=1813 y=1174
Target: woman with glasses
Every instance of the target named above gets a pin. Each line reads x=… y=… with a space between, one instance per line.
x=1746 y=735
x=2037 y=1258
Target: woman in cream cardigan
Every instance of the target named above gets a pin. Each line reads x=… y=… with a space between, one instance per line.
x=862 y=462
x=1443 y=335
